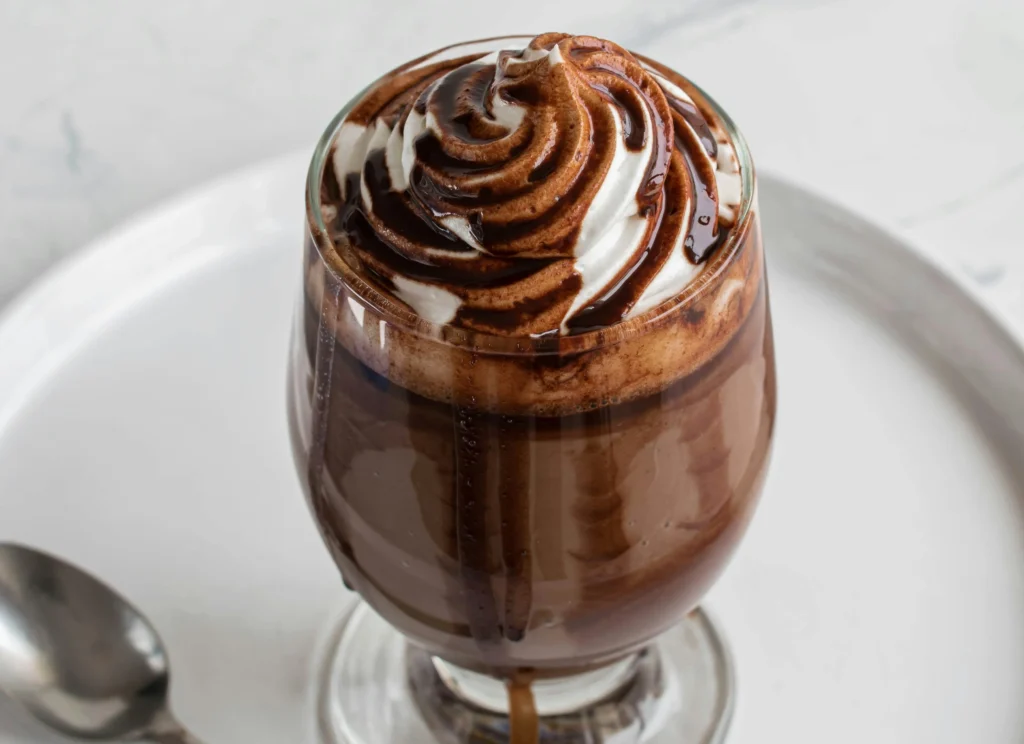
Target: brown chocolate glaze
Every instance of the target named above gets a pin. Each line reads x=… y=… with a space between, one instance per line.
x=523 y=192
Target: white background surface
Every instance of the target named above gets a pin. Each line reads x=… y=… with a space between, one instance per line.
x=909 y=111
x=878 y=596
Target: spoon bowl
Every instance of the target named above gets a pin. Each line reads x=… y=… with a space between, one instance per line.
x=77 y=655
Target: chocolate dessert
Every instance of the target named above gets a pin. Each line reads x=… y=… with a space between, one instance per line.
x=534 y=395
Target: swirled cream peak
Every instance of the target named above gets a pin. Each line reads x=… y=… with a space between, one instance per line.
x=558 y=184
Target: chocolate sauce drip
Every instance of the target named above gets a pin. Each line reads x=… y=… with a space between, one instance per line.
x=386 y=260
x=471 y=526
x=458 y=101
x=321 y=503
x=404 y=219
x=612 y=307
x=702 y=234
x=696 y=120
x=385 y=100
x=599 y=516
x=513 y=459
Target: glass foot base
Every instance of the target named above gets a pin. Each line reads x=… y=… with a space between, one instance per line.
x=377 y=689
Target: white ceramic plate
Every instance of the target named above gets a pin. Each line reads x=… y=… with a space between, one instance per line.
x=879 y=596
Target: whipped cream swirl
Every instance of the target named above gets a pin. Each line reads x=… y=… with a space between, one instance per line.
x=556 y=187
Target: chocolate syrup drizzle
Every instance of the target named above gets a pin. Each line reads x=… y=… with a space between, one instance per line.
x=523 y=193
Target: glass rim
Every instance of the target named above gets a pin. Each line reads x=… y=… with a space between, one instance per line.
x=395 y=314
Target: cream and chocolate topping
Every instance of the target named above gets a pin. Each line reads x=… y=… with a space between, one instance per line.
x=557 y=185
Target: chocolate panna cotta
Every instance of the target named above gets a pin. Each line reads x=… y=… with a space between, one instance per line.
x=536 y=395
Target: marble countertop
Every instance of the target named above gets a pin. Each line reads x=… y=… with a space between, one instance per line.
x=910 y=112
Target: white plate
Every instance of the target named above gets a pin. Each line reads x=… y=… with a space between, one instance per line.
x=879 y=596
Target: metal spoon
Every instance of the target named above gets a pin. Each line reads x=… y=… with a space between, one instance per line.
x=78 y=656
